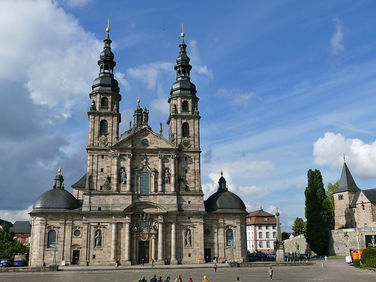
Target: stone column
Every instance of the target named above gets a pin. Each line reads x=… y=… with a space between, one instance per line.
x=160 y=175
x=280 y=251
x=215 y=230
x=115 y=170
x=113 y=241
x=160 y=241
x=127 y=243
x=173 y=177
x=134 y=249
x=129 y=174
x=173 y=243
x=153 y=248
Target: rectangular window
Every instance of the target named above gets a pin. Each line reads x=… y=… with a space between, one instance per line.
x=268 y=244
x=260 y=244
x=340 y=197
x=144 y=183
x=267 y=235
x=260 y=235
x=273 y=234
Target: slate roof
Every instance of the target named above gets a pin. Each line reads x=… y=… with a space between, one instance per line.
x=354 y=199
x=370 y=194
x=346 y=182
x=21 y=227
x=10 y=224
x=81 y=183
x=56 y=199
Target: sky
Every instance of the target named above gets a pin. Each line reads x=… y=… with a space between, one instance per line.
x=284 y=87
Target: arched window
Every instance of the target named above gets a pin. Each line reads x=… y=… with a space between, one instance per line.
x=229 y=237
x=144 y=183
x=103 y=128
x=185 y=129
x=185 y=106
x=51 y=238
x=104 y=103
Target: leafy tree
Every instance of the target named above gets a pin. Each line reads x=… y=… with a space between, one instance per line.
x=285 y=236
x=299 y=226
x=329 y=193
x=317 y=213
x=10 y=247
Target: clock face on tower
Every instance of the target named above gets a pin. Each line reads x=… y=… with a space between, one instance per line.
x=186 y=143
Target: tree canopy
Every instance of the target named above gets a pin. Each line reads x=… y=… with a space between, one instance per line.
x=318 y=213
x=9 y=247
x=299 y=226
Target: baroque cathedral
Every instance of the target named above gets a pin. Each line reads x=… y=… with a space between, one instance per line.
x=140 y=200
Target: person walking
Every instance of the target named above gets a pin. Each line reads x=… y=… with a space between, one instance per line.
x=270 y=271
x=178 y=279
x=190 y=280
x=237 y=278
x=167 y=279
x=142 y=279
x=154 y=278
x=159 y=279
x=215 y=267
x=205 y=279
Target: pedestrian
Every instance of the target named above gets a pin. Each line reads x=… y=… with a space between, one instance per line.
x=167 y=279
x=142 y=279
x=215 y=267
x=190 y=280
x=237 y=278
x=179 y=279
x=142 y=262
x=270 y=272
x=205 y=279
x=159 y=279
x=152 y=262
x=154 y=279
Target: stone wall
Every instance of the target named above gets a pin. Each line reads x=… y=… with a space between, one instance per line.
x=297 y=244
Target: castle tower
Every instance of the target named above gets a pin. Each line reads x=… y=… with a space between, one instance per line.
x=343 y=196
x=184 y=122
x=104 y=116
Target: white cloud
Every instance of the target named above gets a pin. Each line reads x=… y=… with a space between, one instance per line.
x=14 y=215
x=198 y=68
x=360 y=156
x=237 y=96
x=50 y=53
x=149 y=74
x=336 y=40
x=123 y=81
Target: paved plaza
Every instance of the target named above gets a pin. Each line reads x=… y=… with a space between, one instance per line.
x=333 y=270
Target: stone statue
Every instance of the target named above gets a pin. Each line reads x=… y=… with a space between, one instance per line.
x=188 y=238
x=92 y=106
x=123 y=176
x=107 y=183
x=167 y=176
x=174 y=110
x=98 y=238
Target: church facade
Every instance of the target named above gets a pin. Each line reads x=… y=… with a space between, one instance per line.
x=140 y=200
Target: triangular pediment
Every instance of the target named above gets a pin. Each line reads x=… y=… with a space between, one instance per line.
x=144 y=138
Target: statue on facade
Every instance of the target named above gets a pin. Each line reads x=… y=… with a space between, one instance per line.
x=98 y=238
x=145 y=116
x=174 y=110
x=188 y=238
x=167 y=176
x=92 y=106
x=107 y=183
x=123 y=176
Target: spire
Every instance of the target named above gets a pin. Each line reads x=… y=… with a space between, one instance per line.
x=346 y=182
x=140 y=116
x=59 y=180
x=106 y=65
x=222 y=183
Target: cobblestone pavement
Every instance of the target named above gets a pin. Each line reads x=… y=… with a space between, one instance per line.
x=332 y=270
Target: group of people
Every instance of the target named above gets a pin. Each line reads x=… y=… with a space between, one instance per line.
x=168 y=279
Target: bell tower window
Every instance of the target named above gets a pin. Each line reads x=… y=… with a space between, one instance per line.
x=104 y=103
x=185 y=106
x=185 y=129
x=103 y=128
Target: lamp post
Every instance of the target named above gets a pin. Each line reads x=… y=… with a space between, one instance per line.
x=54 y=267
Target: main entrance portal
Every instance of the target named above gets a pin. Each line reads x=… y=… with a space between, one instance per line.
x=143 y=252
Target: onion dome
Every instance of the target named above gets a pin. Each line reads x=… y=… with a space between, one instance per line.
x=57 y=198
x=183 y=85
x=224 y=201
x=105 y=80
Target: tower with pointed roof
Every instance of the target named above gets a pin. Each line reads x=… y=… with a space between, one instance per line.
x=184 y=122
x=343 y=197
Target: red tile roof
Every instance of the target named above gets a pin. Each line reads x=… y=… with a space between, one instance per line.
x=261 y=217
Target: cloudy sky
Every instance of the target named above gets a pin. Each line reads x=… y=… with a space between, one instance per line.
x=284 y=86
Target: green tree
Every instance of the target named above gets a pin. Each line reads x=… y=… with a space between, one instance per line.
x=10 y=247
x=317 y=213
x=285 y=236
x=329 y=193
x=299 y=226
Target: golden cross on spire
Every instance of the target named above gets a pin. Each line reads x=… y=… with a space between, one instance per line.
x=221 y=172
x=182 y=31
x=138 y=99
x=344 y=158
x=108 y=25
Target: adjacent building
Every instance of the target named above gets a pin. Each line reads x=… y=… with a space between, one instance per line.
x=140 y=199
x=261 y=231
x=21 y=231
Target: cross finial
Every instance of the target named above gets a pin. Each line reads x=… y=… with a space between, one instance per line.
x=221 y=172
x=59 y=171
x=344 y=158
x=138 y=99
x=108 y=25
x=182 y=31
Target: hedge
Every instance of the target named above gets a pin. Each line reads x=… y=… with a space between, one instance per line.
x=369 y=257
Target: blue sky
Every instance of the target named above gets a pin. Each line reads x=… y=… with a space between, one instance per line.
x=284 y=86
